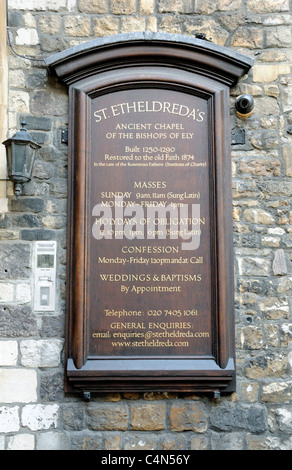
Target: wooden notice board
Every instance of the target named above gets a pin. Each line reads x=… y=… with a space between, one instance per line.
x=150 y=257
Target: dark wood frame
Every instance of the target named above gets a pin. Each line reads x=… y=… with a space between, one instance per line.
x=175 y=63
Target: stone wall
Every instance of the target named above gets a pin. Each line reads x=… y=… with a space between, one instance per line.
x=34 y=413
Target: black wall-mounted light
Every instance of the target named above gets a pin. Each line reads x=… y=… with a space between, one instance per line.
x=20 y=151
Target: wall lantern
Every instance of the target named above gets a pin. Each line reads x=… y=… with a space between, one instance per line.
x=244 y=106
x=20 y=151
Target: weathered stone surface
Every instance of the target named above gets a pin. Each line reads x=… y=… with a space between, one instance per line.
x=41 y=353
x=272 y=365
x=52 y=386
x=108 y=417
x=14 y=261
x=123 y=7
x=18 y=386
x=87 y=442
x=269 y=6
x=174 y=6
x=25 y=204
x=232 y=416
x=279 y=263
x=93 y=6
x=277 y=392
x=251 y=266
x=148 y=417
x=9 y=419
x=250 y=337
x=21 y=442
x=260 y=166
x=74 y=418
x=188 y=417
x=37 y=234
x=269 y=73
x=231 y=441
x=17 y=321
x=40 y=417
x=8 y=353
x=142 y=441
x=258 y=216
x=172 y=442
x=106 y=25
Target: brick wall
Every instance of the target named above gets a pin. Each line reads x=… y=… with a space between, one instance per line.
x=34 y=413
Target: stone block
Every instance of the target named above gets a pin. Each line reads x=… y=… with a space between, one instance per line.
x=150 y=417
x=95 y=7
x=230 y=441
x=15 y=19
x=52 y=386
x=77 y=26
x=19 y=101
x=284 y=419
x=260 y=166
x=142 y=441
x=27 y=37
x=73 y=418
x=9 y=419
x=49 y=24
x=38 y=234
x=251 y=38
x=8 y=353
x=229 y=5
x=14 y=261
x=40 y=417
x=131 y=24
x=17 y=321
x=250 y=337
x=279 y=263
x=277 y=392
x=23 y=293
x=212 y=29
x=122 y=7
x=250 y=266
x=105 y=26
x=87 y=442
x=37 y=123
x=36 y=5
x=274 y=308
x=41 y=353
x=231 y=416
x=6 y=292
x=112 y=442
x=279 y=36
x=52 y=441
x=27 y=204
x=18 y=386
x=171 y=441
x=108 y=417
x=269 y=72
x=175 y=6
x=199 y=443
x=26 y=220
x=269 y=6
x=258 y=216
x=147 y=7
x=21 y=442
x=51 y=103
x=188 y=417
x=267 y=366
x=287 y=154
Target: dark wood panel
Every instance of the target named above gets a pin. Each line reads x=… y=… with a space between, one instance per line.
x=150 y=306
